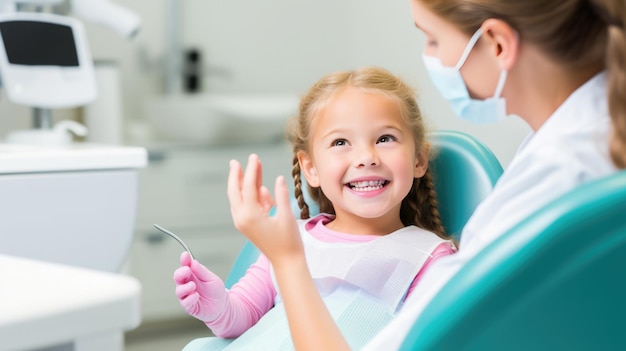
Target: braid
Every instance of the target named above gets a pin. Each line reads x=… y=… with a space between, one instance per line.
x=431 y=202
x=297 y=182
x=420 y=207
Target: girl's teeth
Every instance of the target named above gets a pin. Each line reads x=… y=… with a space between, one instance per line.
x=367 y=185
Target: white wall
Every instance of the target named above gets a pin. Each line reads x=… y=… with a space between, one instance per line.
x=277 y=46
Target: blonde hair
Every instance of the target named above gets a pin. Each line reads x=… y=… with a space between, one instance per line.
x=419 y=207
x=576 y=33
x=614 y=15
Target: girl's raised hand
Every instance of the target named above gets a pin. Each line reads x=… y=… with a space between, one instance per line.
x=250 y=202
x=279 y=239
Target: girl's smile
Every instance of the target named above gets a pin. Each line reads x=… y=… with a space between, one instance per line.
x=367 y=188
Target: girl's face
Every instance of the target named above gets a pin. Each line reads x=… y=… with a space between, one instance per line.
x=446 y=42
x=363 y=157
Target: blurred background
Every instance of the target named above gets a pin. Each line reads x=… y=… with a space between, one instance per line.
x=273 y=46
x=205 y=81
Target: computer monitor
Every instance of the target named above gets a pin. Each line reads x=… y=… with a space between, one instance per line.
x=45 y=60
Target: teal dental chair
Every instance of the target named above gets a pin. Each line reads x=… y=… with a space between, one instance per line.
x=553 y=282
x=465 y=171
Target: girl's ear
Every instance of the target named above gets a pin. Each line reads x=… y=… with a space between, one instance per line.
x=504 y=40
x=421 y=161
x=308 y=169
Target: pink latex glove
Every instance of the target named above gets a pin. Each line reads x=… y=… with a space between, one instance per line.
x=201 y=293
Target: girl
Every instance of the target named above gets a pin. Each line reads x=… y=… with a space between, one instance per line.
x=359 y=142
x=555 y=64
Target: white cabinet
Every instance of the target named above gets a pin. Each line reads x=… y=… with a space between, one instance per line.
x=183 y=189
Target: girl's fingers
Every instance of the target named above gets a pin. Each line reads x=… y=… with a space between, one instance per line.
x=281 y=194
x=182 y=275
x=259 y=178
x=249 y=199
x=184 y=290
x=185 y=259
x=202 y=273
x=235 y=178
x=265 y=199
x=250 y=189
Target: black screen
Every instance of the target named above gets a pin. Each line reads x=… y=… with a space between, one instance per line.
x=39 y=43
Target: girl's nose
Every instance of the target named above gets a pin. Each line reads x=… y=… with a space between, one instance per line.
x=367 y=157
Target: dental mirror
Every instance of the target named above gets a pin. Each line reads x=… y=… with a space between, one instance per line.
x=180 y=241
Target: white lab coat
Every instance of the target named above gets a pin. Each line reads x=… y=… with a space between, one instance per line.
x=571 y=148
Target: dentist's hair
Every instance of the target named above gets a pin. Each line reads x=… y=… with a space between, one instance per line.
x=419 y=207
x=579 y=34
x=613 y=13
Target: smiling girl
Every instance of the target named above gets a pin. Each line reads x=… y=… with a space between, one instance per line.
x=359 y=141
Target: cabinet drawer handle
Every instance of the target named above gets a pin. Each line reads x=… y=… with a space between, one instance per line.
x=155 y=238
x=156 y=156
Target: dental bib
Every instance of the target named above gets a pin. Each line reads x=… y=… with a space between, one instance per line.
x=362 y=284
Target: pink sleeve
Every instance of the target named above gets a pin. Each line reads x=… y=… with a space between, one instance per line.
x=443 y=249
x=248 y=301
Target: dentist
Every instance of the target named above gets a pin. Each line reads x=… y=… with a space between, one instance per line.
x=558 y=65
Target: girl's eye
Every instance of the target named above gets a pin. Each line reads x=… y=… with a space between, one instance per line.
x=387 y=139
x=339 y=142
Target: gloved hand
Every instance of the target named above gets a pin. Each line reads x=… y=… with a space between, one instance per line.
x=201 y=293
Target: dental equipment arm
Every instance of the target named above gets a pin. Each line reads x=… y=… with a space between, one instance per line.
x=104 y=12
x=11 y=5
x=114 y=16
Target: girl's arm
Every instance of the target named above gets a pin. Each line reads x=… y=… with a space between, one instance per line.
x=310 y=323
x=250 y=298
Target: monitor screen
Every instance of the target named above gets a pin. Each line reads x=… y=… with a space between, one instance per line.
x=45 y=60
x=34 y=43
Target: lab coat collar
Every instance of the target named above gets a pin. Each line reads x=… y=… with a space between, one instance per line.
x=584 y=106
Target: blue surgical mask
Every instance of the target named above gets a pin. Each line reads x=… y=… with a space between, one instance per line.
x=452 y=87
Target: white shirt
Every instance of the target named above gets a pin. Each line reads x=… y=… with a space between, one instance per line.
x=571 y=148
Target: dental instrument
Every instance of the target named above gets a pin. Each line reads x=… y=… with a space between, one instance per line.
x=123 y=21
x=180 y=241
